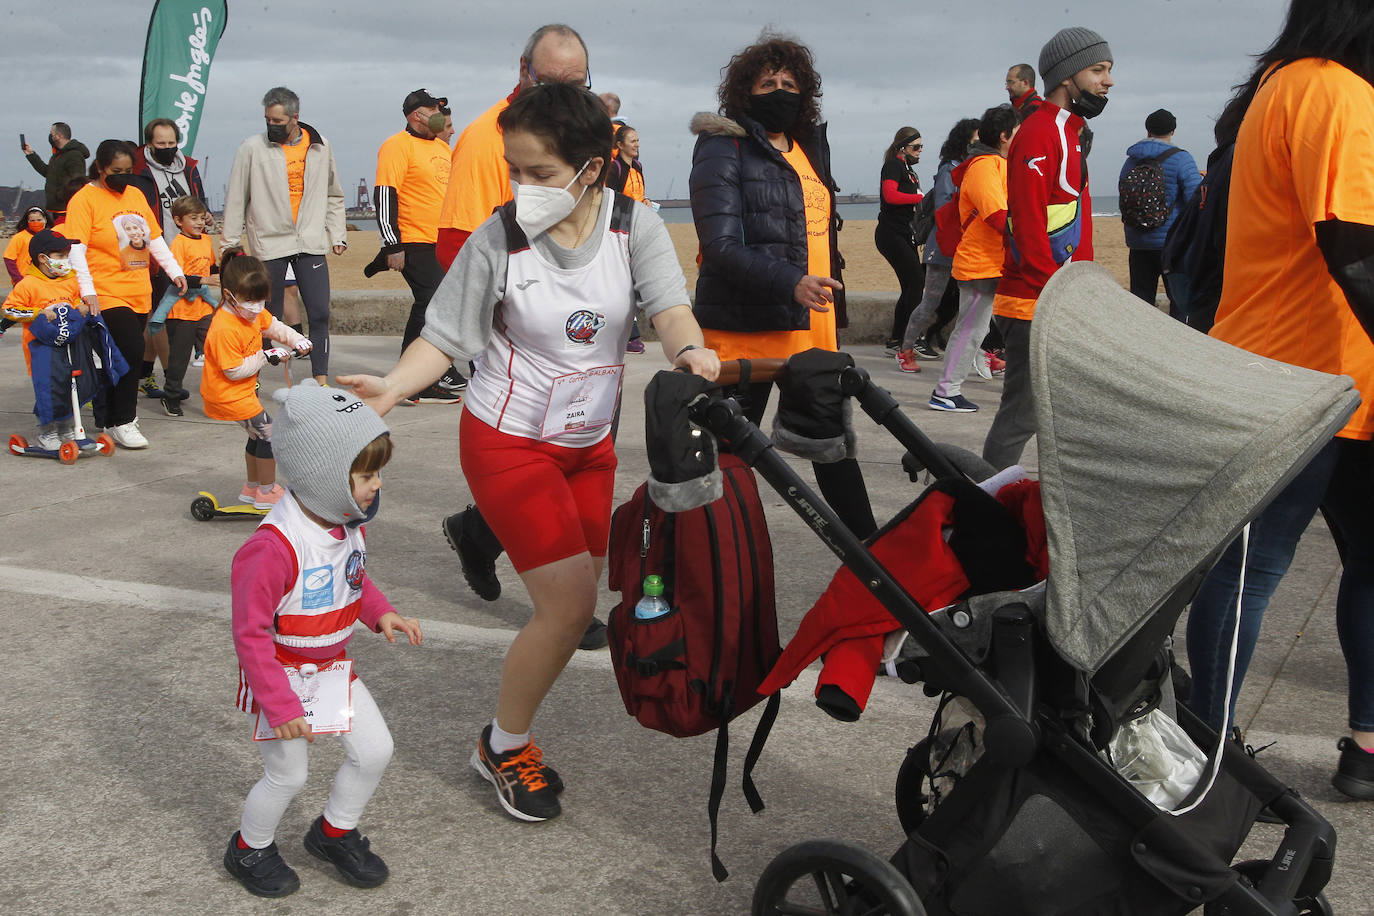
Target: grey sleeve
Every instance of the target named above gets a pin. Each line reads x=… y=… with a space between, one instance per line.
x=459 y=318
x=657 y=275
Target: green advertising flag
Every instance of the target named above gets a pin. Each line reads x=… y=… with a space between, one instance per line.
x=182 y=37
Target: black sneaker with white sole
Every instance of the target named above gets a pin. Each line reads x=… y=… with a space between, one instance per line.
x=260 y=871
x=437 y=395
x=955 y=404
x=520 y=778
x=172 y=407
x=923 y=350
x=351 y=854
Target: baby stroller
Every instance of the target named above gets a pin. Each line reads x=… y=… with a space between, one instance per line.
x=1022 y=810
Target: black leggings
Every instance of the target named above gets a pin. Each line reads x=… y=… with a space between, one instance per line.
x=841 y=483
x=897 y=247
x=312 y=281
x=126 y=330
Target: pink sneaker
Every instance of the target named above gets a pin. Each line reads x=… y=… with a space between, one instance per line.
x=906 y=361
x=266 y=499
x=248 y=494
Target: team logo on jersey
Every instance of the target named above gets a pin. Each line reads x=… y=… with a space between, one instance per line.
x=1033 y=163
x=353 y=569
x=582 y=326
x=317 y=587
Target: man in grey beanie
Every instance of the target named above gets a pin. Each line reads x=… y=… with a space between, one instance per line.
x=1049 y=214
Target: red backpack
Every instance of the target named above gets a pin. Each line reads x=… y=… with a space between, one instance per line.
x=948 y=229
x=699 y=666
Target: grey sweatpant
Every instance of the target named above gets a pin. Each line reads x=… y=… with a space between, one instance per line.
x=1015 y=421
x=966 y=337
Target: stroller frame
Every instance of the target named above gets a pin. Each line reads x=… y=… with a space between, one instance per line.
x=1021 y=729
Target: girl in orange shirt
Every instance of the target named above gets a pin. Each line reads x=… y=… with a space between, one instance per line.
x=233 y=358
x=17 y=262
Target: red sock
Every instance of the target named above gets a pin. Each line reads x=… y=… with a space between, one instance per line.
x=330 y=830
x=241 y=844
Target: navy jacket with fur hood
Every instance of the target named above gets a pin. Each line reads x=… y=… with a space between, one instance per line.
x=751 y=226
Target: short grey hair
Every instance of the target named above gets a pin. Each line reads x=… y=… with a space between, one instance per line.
x=288 y=100
x=554 y=28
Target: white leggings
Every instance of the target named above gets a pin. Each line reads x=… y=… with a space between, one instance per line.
x=368 y=746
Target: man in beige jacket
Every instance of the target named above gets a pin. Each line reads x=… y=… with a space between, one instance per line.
x=286 y=204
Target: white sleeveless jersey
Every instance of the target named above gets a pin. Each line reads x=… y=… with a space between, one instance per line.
x=551 y=323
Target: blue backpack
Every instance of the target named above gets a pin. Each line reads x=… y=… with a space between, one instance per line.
x=1194 y=255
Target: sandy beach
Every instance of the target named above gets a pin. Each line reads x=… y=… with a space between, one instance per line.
x=865 y=270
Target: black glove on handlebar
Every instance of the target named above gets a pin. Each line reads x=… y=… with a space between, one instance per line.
x=814 y=417
x=682 y=456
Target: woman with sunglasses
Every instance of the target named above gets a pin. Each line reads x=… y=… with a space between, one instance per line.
x=900 y=192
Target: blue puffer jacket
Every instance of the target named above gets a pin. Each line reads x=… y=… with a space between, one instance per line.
x=1181 y=175
x=943 y=189
x=71 y=341
x=751 y=226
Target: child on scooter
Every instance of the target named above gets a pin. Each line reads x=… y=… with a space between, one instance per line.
x=233 y=358
x=298 y=586
x=187 y=315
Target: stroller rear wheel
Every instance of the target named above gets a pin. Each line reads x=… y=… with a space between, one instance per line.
x=912 y=801
x=828 y=878
x=1251 y=872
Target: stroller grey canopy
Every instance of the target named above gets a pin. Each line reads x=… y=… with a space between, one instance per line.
x=1153 y=458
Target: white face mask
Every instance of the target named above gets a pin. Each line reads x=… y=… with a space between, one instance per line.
x=250 y=310
x=60 y=266
x=538 y=209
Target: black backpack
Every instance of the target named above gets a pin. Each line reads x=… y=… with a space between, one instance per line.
x=1144 y=193
x=923 y=218
x=1194 y=254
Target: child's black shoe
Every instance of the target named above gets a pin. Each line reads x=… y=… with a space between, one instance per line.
x=261 y=871
x=359 y=865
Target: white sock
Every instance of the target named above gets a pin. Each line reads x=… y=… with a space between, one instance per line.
x=502 y=740
x=250 y=485
x=266 y=487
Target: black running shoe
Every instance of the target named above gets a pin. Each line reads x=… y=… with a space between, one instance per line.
x=350 y=854
x=172 y=407
x=595 y=637
x=923 y=350
x=150 y=390
x=1355 y=773
x=478 y=569
x=261 y=871
x=519 y=776
x=436 y=395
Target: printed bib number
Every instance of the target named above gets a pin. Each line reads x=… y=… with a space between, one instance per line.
x=582 y=400
x=325 y=693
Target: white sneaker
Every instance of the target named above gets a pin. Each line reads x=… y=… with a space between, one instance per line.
x=980 y=364
x=198 y=361
x=50 y=441
x=129 y=436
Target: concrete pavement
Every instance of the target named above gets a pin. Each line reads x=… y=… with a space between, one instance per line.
x=128 y=764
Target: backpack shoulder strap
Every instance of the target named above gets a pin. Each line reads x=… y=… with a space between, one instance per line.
x=621 y=209
x=1165 y=155
x=515 y=236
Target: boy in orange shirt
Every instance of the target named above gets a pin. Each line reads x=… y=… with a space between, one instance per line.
x=233 y=359
x=186 y=315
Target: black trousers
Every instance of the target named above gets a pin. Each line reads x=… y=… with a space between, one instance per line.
x=896 y=246
x=1146 y=266
x=423 y=274
x=126 y=330
x=182 y=336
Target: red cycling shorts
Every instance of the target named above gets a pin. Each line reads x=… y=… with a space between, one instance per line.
x=545 y=502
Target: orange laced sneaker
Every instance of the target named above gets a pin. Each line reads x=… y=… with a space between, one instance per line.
x=519 y=776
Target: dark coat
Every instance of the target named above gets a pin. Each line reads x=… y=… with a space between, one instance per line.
x=751 y=226
x=67 y=163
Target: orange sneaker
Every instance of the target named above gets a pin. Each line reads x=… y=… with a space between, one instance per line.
x=906 y=361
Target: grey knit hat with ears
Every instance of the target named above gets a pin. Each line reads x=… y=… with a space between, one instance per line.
x=1069 y=51
x=315 y=437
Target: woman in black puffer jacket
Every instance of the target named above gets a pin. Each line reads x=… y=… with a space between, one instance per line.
x=763 y=200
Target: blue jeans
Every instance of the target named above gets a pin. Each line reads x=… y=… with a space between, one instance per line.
x=1338 y=482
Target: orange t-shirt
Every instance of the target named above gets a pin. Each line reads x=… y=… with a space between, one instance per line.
x=229 y=342
x=195 y=257
x=984 y=191
x=117 y=230
x=418 y=170
x=821 y=334
x=478 y=180
x=295 y=170
x=36 y=292
x=634 y=184
x=1302 y=157
x=18 y=251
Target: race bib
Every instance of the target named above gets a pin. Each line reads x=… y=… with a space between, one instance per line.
x=581 y=401
x=326 y=695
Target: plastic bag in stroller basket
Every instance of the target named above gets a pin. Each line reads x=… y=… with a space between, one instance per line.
x=1158 y=758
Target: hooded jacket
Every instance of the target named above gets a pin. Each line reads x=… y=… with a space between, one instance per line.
x=1181 y=178
x=180 y=179
x=71 y=341
x=67 y=163
x=258 y=202
x=751 y=226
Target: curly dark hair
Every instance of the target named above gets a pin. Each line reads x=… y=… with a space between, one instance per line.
x=767 y=55
x=955 y=147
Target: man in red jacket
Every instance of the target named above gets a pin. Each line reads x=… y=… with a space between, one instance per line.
x=1049 y=216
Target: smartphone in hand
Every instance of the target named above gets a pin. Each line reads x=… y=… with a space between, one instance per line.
x=22 y=143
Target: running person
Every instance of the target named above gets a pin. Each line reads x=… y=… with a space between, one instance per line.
x=552 y=308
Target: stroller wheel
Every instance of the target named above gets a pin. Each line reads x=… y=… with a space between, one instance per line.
x=1251 y=872
x=69 y=452
x=830 y=877
x=911 y=780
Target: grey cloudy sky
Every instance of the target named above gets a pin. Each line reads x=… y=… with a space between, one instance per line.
x=926 y=63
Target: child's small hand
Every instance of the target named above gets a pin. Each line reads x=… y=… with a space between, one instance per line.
x=391 y=621
x=296 y=728
x=276 y=354
x=304 y=346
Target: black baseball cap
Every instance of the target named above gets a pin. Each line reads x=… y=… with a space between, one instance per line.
x=47 y=242
x=421 y=98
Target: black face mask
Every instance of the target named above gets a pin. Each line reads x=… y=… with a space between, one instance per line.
x=52 y=141
x=165 y=156
x=1088 y=105
x=777 y=110
x=119 y=182
x=278 y=133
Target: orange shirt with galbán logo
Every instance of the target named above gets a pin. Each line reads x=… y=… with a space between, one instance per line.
x=295 y=170
x=116 y=230
x=418 y=170
x=1304 y=155
x=229 y=342
x=821 y=334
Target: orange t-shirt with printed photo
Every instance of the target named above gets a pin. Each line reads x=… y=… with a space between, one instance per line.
x=418 y=170
x=36 y=292
x=116 y=230
x=195 y=257
x=821 y=334
x=295 y=170
x=228 y=343
x=1303 y=157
